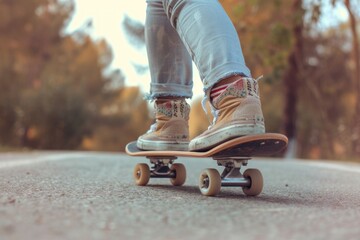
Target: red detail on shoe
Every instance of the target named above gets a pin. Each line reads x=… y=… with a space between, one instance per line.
x=218 y=90
x=168 y=105
x=239 y=84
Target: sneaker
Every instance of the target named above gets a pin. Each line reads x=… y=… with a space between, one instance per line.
x=237 y=112
x=171 y=129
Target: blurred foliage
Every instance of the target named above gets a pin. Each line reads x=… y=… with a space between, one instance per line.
x=53 y=88
x=122 y=120
x=135 y=31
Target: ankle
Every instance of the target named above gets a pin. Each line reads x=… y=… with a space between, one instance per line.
x=169 y=107
x=221 y=86
x=161 y=100
x=228 y=80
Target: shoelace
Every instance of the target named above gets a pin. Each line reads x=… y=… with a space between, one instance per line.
x=152 y=128
x=154 y=125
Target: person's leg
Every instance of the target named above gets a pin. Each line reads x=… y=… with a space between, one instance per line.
x=169 y=61
x=171 y=82
x=213 y=44
x=210 y=38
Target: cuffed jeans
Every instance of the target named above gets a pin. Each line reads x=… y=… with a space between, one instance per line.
x=179 y=31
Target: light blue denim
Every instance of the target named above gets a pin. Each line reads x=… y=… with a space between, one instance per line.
x=179 y=31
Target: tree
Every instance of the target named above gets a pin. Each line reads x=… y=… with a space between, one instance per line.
x=67 y=96
x=51 y=83
x=24 y=48
x=356 y=76
x=292 y=77
x=122 y=120
x=135 y=31
x=325 y=97
x=353 y=66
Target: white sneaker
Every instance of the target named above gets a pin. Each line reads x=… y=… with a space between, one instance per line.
x=237 y=113
x=171 y=129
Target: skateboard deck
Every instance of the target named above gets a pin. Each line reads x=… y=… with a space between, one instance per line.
x=231 y=155
x=246 y=146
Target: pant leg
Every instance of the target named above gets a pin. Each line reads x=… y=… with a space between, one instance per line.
x=169 y=61
x=210 y=38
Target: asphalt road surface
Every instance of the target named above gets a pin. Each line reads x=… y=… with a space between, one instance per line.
x=82 y=195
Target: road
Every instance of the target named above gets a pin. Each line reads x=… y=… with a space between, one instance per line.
x=86 y=195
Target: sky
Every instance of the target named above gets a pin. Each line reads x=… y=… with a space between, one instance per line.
x=107 y=16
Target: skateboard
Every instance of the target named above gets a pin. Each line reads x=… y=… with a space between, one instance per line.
x=232 y=155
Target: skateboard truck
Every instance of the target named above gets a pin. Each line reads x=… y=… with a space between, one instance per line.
x=251 y=181
x=160 y=168
x=163 y=167
x=231 y=175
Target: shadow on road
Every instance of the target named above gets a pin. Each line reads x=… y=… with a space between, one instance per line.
x=233 y=195
x=185 y=189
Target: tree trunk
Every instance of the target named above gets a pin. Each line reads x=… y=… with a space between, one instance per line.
x=356 y=55
x=292 y=78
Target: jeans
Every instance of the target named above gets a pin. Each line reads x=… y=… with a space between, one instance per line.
x=178 y=32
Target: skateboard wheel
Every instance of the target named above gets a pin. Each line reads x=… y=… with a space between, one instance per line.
x=141 y=174
x=256 y=182
x=180 y=173
x=210 y=182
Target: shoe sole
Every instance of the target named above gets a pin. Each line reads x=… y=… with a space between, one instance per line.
x=223 y=135
x=162 y=145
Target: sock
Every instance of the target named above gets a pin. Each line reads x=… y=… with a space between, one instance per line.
x=216 y=91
